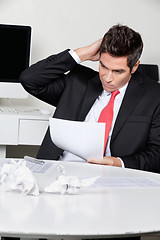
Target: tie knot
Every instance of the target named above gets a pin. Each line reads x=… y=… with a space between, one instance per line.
x=115 y=93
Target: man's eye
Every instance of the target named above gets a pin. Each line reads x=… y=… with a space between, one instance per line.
x=118 y=71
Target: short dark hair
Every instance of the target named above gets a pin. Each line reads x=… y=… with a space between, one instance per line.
x=122 y=41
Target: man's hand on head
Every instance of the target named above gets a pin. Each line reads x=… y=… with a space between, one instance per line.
x=111 y=161
x=90 y=52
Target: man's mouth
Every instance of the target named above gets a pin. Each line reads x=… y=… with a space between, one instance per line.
x=108 y=85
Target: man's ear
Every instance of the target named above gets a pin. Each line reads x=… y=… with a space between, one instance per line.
x=135 y=67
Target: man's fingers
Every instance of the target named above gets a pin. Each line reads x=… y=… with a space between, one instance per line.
x=103 y=161
x=111 y=161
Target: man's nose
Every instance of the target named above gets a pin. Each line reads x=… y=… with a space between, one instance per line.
x=109 y=76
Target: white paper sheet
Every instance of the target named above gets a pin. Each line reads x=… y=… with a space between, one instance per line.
x=126 y=182
x=84 y=139
x=40 y=166
x=35 y=165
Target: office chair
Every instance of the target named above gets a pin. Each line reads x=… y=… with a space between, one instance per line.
x=149 y=70
x=46 y=148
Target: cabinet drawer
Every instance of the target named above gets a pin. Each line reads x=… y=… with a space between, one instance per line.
x=8 y=130
x=32 y=132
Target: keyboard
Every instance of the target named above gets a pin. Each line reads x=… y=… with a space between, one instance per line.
x=7 y=109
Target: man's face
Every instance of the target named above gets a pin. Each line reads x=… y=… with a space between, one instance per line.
x=114 y=72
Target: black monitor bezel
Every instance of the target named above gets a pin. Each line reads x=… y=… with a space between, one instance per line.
x=28 y=30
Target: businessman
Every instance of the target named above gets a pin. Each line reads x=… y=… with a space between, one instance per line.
x=81 y=94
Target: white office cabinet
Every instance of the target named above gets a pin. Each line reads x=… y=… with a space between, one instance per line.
x=8 y=130
x=22 y=128
x=31 y=132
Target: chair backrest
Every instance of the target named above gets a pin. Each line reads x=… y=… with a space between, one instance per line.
x=149 y=70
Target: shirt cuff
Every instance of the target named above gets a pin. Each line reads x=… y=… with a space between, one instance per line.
x=123 y=166
x=75 y=56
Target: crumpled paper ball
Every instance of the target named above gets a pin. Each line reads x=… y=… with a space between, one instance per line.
x=15 y=176
x=64 y=184
x=68 y=184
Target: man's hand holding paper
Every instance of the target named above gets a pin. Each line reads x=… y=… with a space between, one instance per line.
x=83 y=139
x=112 y=161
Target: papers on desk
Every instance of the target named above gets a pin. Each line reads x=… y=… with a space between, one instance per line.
x=19 y=174
x=35 y=165
x=63 y=177
x=126 y=182
x=84 y=139
x=40 y=166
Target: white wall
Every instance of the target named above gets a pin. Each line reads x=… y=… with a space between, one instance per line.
x=60 y=24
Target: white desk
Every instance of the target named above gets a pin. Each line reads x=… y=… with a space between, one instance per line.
x=22 y=128
x=91 y=214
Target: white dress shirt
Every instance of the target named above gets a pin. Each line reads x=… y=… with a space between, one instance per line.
x=94 y=113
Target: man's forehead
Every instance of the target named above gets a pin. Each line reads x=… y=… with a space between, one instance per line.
x=112 y=62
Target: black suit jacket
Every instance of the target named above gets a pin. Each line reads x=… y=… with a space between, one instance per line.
x=136 y=134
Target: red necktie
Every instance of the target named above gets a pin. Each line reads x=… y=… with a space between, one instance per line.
x=106 y=116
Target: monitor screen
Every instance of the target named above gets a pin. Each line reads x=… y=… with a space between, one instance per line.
x=14 y=51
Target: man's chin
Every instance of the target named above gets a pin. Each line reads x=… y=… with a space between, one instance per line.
x=108 y=89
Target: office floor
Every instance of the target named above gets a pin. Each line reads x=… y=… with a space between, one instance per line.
x=21 y=151
x=151 y=237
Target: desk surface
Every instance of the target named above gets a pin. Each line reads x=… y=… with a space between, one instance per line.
x=95 y=213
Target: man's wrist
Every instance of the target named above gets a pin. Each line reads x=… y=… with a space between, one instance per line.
x=82 y=53
x=75 y=56
x=123 y=166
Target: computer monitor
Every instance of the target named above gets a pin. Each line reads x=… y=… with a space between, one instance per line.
x=14 y=58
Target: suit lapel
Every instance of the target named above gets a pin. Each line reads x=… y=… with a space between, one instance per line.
x=132 y=96
x=93 y=90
